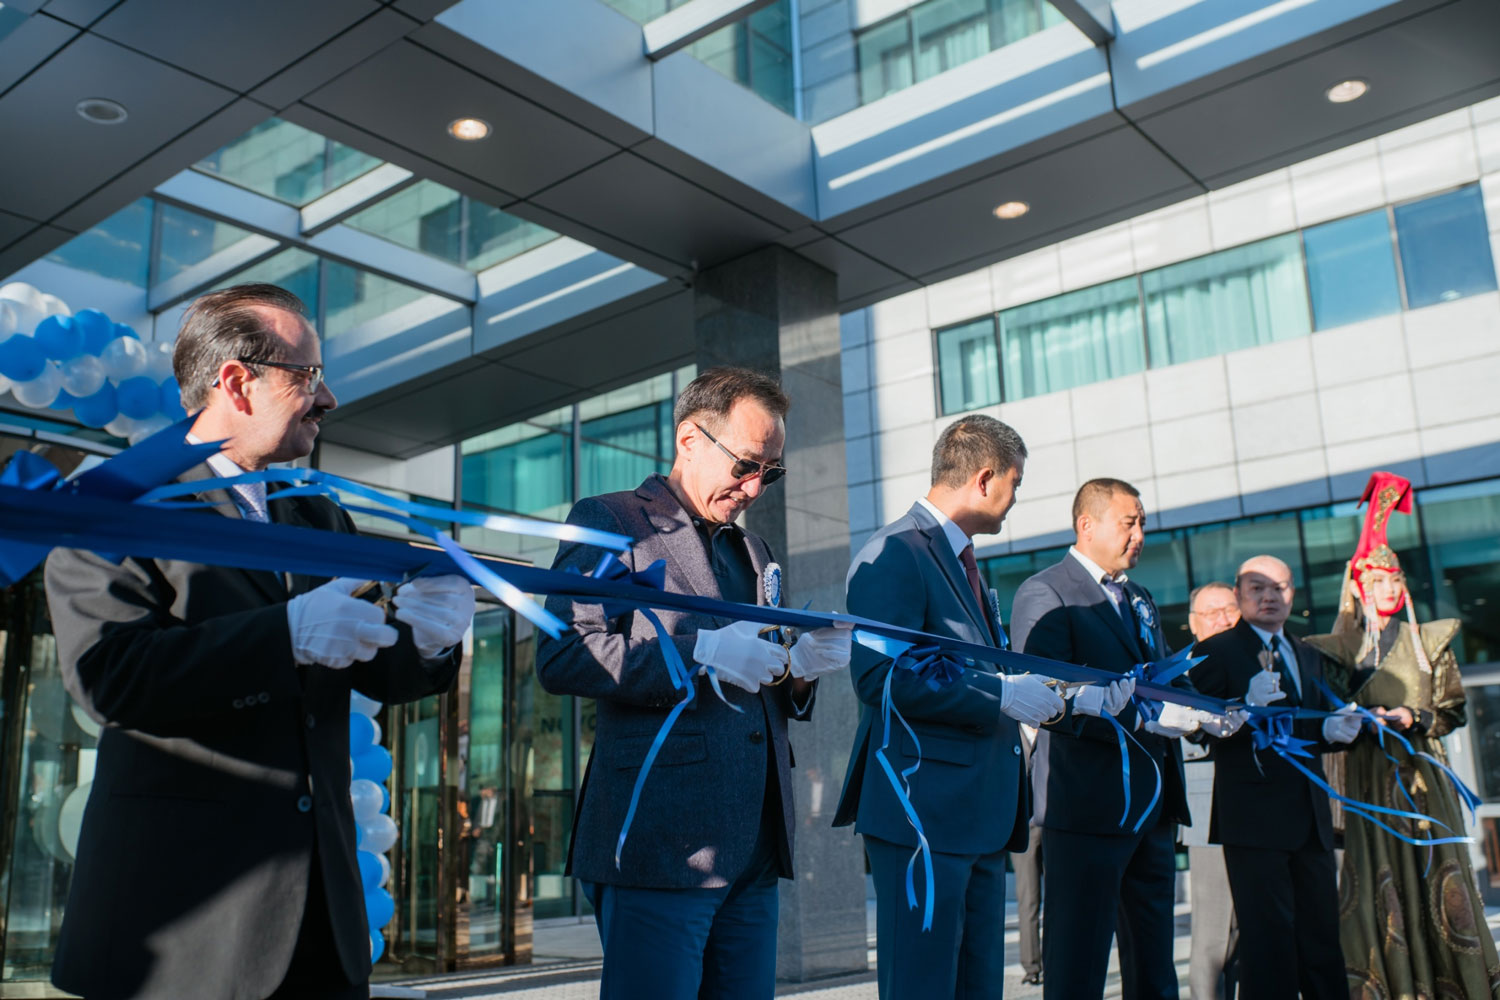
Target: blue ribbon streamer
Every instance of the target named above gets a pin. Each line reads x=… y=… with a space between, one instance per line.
x=900 y=784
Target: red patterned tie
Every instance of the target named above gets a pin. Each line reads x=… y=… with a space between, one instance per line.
x=971 y=568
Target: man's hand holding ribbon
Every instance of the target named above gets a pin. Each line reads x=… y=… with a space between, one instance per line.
x=1101 y=700
x=1029 y=700
x=740 y=656
x=1343 y=726
x=821 y=651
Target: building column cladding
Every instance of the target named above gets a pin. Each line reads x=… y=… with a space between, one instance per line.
x=778 y=312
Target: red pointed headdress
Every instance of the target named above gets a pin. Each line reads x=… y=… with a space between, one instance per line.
x=1387 y=494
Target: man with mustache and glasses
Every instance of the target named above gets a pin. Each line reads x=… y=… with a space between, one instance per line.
x=688 y=907
x=217 y=855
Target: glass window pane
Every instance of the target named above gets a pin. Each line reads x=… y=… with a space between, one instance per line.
x=116 y=248
x=295 y=270
x=771 y=54
x=188 y=238
x=494 y=236
x=1462 y=525
x=1445 y=248
x=1085 y=336
x=1351 y=270
x=603 y=469
x=968 y=366
x=885 y=59
x=1233 y=299
x=1163 y=570
x=948 y=34
x=641 y=11
x=485 y=796
x=530 y=475
x=287 y=162
x=425 y=216
x=356 y=296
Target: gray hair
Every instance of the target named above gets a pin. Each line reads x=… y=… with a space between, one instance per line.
x=709 y=397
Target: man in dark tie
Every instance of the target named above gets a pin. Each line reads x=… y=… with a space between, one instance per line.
x=216 y=858
x=1102 y=877
x=1273 y=822
x=970 y=791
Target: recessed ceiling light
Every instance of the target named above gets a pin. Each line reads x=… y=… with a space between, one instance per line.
x=1011 y=210
x=1347 y=90
x=469 y=129
x=101 y=111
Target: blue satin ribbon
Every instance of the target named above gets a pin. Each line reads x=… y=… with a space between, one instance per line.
x=1154 y=676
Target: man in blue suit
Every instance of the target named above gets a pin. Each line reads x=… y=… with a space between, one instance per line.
x=687 y=910
x=1102 y=879
x=970 y=791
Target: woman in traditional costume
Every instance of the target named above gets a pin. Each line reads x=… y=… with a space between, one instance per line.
x=1411 y=921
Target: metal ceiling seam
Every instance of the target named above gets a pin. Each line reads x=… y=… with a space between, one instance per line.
x=77 y=33
x=1114 y=100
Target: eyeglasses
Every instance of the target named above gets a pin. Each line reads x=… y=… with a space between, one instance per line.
x=744 y=468
x=314 y=373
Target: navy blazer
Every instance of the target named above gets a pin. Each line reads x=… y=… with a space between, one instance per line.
x=1259 y=799
x=1063 y=614
x=700 y=808
x=970 y=791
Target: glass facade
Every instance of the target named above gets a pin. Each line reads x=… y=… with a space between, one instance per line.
x=118 y=248
x=287 y=162
x=185 y=238
x=935 y=36
x=439 y=221
x=1276 y=289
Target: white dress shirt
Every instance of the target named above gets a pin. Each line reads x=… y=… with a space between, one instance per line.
x=1096 y=572
x=250 y=498
x=1288 y=655
x=953 y=532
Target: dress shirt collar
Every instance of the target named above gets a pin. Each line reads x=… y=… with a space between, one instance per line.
x=953 y=532
x=1266 y=637
x=1095 y=571
x=222 y=465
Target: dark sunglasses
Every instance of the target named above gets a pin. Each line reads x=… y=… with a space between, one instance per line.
x=744 y=468
x=314 y=373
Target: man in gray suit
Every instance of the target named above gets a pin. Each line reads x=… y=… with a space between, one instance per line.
x=970 y=791
x=689 y=907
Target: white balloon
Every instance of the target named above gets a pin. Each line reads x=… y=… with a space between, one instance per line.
x=363 y=705
x=40 y=392
x=8 y=324
x=27 y=296
x=159 y=360
x=366 y=798
x=385 y=869
x=123 y=358
x=122 y=427
x=5 y=385
x=146 y=428
x=54 y=306
x=380 y=834
x=83 y=375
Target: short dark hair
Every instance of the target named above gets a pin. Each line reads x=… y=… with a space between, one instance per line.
x=709 y=397
x=1097 y=492
x=973 y=442
x=222 y=326
x=1210 y=585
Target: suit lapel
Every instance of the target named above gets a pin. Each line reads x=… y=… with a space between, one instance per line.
x=676 y=540
x=942 y=554
x=1091 y=595
x=270 y=583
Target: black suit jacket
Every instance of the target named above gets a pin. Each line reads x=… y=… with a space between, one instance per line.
x=1062 y=613
x=1259 y=799
x=222 y=771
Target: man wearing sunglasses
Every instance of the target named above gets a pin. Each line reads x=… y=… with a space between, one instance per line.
x=217 y=858
x=689 y=908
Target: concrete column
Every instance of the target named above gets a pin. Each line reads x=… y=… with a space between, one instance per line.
x=778 y=312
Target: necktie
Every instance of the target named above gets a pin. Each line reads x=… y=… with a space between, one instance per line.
x=1121 y=602
x=971 y=570
x=251 y=500
x=1288 y=677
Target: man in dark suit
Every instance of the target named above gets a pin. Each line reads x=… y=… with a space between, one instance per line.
x=1102 y=879
x=1273 y=822
x=690 y=907
x=970 y=791
x=217 y=858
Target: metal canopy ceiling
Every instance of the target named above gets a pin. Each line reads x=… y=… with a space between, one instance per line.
x=386 y=78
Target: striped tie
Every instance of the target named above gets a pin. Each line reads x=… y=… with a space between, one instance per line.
x=251 y=500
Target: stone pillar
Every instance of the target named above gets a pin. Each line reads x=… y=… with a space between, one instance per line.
x=778 y=312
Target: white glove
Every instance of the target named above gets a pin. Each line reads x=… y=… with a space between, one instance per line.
x=332 y=628
x=1174 y=721
x=820 y=651
x=1027 y=699
x=438 y=609
x=1110 y=699
x=740 y=656
x=1223 y=726
x=1343 y=727
x=1265 y=687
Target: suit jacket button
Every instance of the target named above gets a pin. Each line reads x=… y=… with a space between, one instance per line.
x=1016 y=751
x=757 y=737
x=264 y=698
x=304 y=803
x=239 y=703
x=311 y=722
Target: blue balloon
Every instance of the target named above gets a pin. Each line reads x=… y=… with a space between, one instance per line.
x=64 y=400
x=361 y=732
x=121 y=330
x=98 y=409
x=373 y=762
x=21 y=360
x=385 y=799
x=369 y=870
x=377 y=946
x=138 y=397
x=59 y=338
x=171 y=400
x=379 y=907
x=96 y=328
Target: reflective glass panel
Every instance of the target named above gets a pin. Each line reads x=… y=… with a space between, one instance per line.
x=483 y=797
x=293 y=269
x=355 y=297
x=1351 y=270
x=755 y=52
x=968 y=366
x=522 y=469
x=287 y=162
x=1007 y=573
x=491 y=236
x=1238 y=298
x=1484 y=722
x=188 y=238
x=885 y=59
x=1445 y=247
x=10 y=19
x=425 y=216
x=1462 y=525
x=118 y=247
x=544 y=744
x=948 y=34
x=1084 y=336
x=1163 y=570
